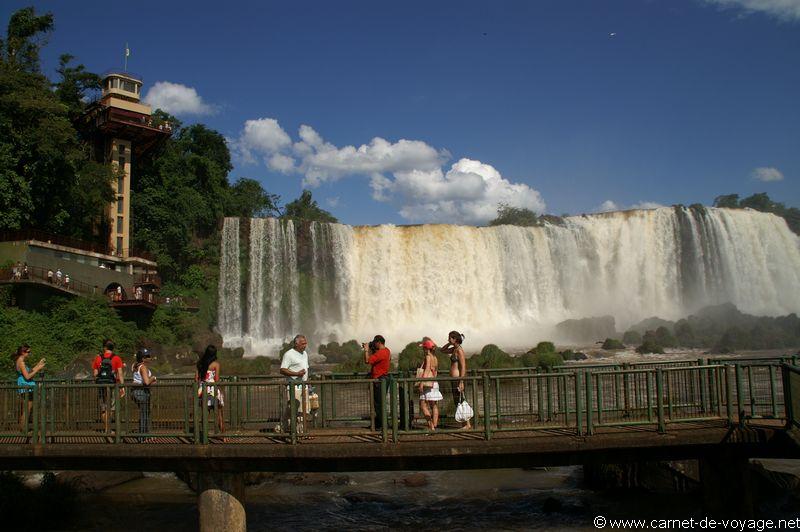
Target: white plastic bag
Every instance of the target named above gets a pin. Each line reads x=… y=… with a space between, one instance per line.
x=464 y=412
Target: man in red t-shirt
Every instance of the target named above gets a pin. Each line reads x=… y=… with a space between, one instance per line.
x=107 y=369
x=379 y=360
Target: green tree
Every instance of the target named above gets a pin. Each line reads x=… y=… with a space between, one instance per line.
x=508 y=215
x=728 y=201
x=306 y=208
x=74 y=85
x=24 y=38
x=248 y=199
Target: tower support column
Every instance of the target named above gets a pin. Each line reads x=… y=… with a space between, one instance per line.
x=220 y=502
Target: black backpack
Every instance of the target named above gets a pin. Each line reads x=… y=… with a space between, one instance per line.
x=105 y=374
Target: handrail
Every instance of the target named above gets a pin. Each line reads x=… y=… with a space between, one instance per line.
x=261 y=408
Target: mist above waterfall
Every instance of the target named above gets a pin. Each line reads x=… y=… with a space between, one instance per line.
x=506 y=285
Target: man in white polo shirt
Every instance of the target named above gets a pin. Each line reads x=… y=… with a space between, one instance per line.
x=294 y=365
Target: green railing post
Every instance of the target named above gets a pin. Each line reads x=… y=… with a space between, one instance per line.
x=118 y=414
x=497 y=405
x=382 y=413
x=739 y=394
x=204 y=415
x=728 y=392
x=788 y=400
x=649 y=391
x=549 y=392
x=578 y=403
x=531 y=374
x=292 y=412
x=704 y=392
x=187 y=394
x=627 y=400
x=233 y=394
x=773 y=385
x=670 y=395
x=34 y=422
x=662 y=428
x=589 y=406
x=599 y=392
x=195 y=413
x=539 y=397
x=487 y=428
x=395 y=406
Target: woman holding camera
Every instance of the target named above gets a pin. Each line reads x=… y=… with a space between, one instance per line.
x=26 y=383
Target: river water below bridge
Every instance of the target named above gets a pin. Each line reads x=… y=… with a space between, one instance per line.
x=503 y=499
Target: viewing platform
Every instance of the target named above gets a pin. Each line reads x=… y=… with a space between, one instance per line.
x=51 y=263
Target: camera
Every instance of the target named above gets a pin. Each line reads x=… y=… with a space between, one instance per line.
x=372 y=347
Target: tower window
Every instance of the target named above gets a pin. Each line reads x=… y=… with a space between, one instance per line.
x=119 y=245
x=120 y=224
x=120 y=185
x=120 y=206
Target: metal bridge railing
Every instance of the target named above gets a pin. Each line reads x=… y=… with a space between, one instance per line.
x=273 y=410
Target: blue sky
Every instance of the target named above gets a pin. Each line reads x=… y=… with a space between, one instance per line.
x=409 y=112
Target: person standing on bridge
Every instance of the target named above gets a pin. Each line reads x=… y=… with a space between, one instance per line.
x=379 y=360
x=294 y=366
x=458 y=368
x=429 y=390
x=142 y=379
x=58 y=276
x=26 y=384
x=208 y=374
x=107 y=370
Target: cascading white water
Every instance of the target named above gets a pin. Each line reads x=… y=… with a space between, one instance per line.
x=507 y=285
x=229 y=315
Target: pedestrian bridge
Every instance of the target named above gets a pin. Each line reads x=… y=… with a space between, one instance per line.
x=522 y=417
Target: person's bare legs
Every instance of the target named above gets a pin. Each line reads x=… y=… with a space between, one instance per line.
x=423 y=407
x=435 y=417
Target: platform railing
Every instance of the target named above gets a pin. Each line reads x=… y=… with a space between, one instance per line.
x=276 y=410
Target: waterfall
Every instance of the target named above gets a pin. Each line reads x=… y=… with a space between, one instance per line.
x=507 y=285
x=229 y=313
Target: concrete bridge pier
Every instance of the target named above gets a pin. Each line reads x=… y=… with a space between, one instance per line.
x=727 y=486
x=220 y=502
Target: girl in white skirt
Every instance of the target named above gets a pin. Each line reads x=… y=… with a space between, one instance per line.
x=429 y=389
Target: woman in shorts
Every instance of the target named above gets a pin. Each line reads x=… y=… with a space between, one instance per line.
x=458 y=367
x=208 y=372
x=25 y=382
x=429 y=389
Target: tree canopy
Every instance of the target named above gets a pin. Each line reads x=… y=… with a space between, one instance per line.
x=307 y=208
x=762 y=202
x=508 y=215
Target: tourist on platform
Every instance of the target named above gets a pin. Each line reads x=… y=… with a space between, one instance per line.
x=25 y=272
x=379 y=359
x=17 y=270
x=209 y=374
x=429 y=389
x=107 y=370
x=142 y=379
x=50 y=276
x=58 y=276
x=458 y=368
x=294 y=366
x=66 y=280
x=25 y=382
x=119 y=293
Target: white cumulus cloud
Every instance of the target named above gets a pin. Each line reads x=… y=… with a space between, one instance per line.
x=177 y=99
x=407 y=173
x=606 y=206
x=787 y=10
x=767 y=174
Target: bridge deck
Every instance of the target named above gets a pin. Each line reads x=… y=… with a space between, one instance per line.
x=335 y=451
